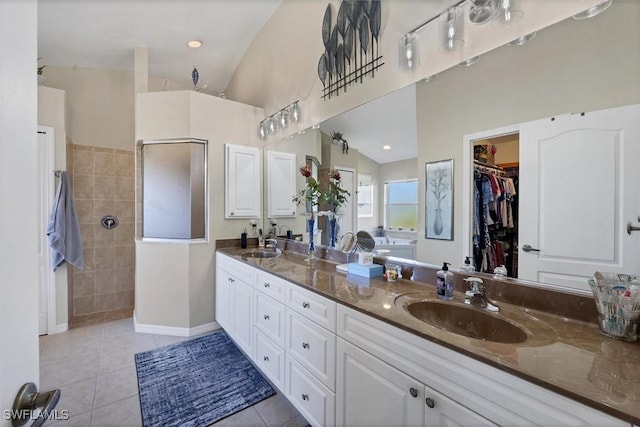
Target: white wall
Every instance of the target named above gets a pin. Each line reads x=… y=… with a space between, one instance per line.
x=18 y=191
x=571 y=67
x=51 y=112
x=189 y=266
x=281 y=64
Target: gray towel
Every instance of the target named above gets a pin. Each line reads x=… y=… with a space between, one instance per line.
x=64 y=229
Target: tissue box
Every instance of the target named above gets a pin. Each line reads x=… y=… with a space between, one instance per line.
x=374 y=270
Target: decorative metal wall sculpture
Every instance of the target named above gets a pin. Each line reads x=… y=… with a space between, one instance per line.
x=351 y=46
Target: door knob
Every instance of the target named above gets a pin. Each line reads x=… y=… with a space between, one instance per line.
x=528 y=248
x=631 y=228
x=29 y=399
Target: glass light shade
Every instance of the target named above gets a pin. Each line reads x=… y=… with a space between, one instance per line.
x=262 y=131
x=284 y=119
x=452 y=29
x=481 y=11
x=508 y=13
x=271 y=126
x=409 y=58
x=295 y=112
x=594 y=10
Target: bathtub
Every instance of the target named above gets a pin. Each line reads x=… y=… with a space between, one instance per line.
x=401 y=248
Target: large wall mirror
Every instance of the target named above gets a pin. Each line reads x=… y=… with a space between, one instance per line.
x=571 y=67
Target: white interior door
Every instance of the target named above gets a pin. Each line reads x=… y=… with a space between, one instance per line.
x=348 y=178
x=579 y=180
x=45 y=203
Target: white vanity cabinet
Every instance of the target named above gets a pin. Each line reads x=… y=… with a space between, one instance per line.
x=234 y=300
x=281 y=184
x=462 y=389
x=242 y=181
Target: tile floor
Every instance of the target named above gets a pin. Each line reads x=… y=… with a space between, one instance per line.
x=94 y=368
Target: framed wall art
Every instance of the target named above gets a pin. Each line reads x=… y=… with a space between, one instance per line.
x=439 y=200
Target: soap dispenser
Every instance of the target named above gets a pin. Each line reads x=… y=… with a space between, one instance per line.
x=468 y=266
x=444 y=282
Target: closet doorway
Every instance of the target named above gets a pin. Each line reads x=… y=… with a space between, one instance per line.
x=494 y=228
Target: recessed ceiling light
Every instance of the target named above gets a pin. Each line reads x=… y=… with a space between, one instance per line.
x=386 y=147
x=469 y=62
x=194 y=43
x=593 y=11
x=430 y=78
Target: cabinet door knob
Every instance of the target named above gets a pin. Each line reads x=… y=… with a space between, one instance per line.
x=266 y=285
x=305 y=305
x=266 y=358
x=430 y=402
x=413 y=392
x=232 y=213
x=266 y=317
x=305 y=345
x=231 y=280
x=305 y=396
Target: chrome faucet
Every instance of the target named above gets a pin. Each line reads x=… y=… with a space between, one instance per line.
x=260 y=239
x=271 y=243
x=476 y=296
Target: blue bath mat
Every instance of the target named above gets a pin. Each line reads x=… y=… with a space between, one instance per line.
x=197 y=382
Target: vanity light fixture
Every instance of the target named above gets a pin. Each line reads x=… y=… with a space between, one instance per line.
x=408 y=52
x=508 y=13
x=452 y=29
x=279 y=120
x=481 y=11
x=469 y=62
x=522 y=40
x=593 y=10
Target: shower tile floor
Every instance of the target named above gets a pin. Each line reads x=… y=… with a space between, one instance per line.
x=94 y=368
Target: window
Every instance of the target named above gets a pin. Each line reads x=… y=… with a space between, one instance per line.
x=174 y=189
x=365 y=196
x=401 y=204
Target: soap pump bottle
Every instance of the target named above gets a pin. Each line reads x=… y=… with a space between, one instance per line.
x=468 y=266
x=444 y=282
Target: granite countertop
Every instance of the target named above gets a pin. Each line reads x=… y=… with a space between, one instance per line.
x=566 y=356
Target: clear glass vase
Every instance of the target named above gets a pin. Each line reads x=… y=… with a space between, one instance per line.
x=332 y=237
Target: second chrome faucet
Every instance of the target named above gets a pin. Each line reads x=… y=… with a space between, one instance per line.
x=476 y=295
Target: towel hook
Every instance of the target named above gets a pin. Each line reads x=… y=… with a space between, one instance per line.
x=109 y=221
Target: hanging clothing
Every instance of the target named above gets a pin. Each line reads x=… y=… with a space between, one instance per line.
x=63 y=229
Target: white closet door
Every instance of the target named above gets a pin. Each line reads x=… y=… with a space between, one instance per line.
x=579 y=180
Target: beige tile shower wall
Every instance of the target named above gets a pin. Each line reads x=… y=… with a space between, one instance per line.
x=103 y=183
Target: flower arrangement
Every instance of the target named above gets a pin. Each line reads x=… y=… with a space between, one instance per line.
x=310 y=195
x=336 y=196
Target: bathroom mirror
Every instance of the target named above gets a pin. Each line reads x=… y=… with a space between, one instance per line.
x=573 y=66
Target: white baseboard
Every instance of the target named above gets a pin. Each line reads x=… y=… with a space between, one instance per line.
x=62 y=327
x=173 y=330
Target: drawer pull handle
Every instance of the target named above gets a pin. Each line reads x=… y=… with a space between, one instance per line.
x=230 y=279
x=305 y=345
x=430 y=402
x=266 y=317
x=305 y=305
x=413 y=392
x=305 y=396
x=266 y=358
x=266 y=285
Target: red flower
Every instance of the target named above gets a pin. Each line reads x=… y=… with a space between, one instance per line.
x=334 y=174
x=305 y=171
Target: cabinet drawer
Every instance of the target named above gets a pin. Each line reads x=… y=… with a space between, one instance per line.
x=271 y=285
x=315 y=401
x=269 y=358
x=235 y=268
x=312 y=346
x=269 y=317
x=313 y=306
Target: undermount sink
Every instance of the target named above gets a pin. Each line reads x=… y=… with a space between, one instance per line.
x=259 y=253
x=467 y=321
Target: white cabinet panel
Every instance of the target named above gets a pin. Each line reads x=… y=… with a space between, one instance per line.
x=281 y=184
x=269 y=317
x=310 y=397
x=242 y=181
x=271 y=285
x=313 y=306
x=372 y=393
x=440 y=411
x=269 y=358
x=242 y=324
x=314 y=347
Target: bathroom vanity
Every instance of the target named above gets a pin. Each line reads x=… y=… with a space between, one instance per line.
x=347 y=352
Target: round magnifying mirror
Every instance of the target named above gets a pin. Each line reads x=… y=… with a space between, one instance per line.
x=347 y=242
x=365 y=242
